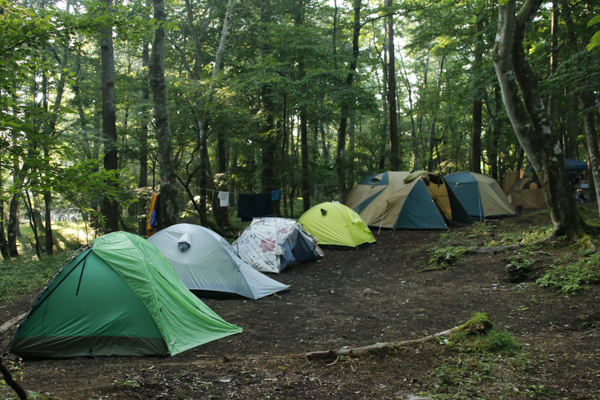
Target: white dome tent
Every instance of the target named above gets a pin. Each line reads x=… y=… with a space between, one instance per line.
x=208 y=266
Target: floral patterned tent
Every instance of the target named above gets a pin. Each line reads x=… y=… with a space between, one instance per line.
x=271 y=244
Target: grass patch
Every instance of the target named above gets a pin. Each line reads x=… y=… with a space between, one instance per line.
x=24 y=275
x=570 y=277
x=480 y=362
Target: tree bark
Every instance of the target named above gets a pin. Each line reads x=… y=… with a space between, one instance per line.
x=477 y=96
x=109 y=125
x=496 y=132
x=168 y=187
x=391 y=93
x=530 y=120
x=345 y=107
x=143 y=179
x=588 y=101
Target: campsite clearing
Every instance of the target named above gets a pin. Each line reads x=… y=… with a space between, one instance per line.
x=386 y=292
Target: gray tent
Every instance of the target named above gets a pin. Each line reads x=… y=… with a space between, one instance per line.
x=208 y=266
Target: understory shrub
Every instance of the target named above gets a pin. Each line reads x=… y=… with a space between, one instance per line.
x=570 y=277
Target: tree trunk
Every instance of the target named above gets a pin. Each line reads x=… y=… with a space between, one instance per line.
x=345 y=107
x=109 y=126
x=391 y=93
x=12 y=227
x=477 y=96
x=3 y=241
x=496 y=132
x=588 y=101
x=304 y=151
x=168 y=188
x=530 y=120
x=143 y=179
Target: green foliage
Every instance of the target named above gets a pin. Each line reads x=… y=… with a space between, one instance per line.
x=569 y=277
x=478 y=335
x=26 y=275
x=445 y=257
x=595 y=40
x=518 y=268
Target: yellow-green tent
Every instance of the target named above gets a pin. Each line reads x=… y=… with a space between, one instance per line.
x=335 y=224
x=404 y=200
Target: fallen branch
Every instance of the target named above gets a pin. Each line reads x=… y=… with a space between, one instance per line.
x=10 y=323
x=361 y=351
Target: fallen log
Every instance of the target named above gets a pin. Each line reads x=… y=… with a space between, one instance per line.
x=365 y=350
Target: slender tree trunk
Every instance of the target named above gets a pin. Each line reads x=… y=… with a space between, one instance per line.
x=477 y=96
x=33 y=226
x=553 y=55
x=391 y=93
x=109 y=125
x=345 y=108
x=220 y=213
x=496 y=132
x=49 y=129
x=304 y=151
x=530 y=120
x=3 y=242
x=168 y=185
x=143 y=179
x=588 y=101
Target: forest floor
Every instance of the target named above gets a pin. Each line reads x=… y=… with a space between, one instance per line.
x=384 y=293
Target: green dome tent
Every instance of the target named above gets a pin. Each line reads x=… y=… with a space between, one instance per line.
x=480 y=195
x=403 y=200
x=118 y=297
x=335 y=224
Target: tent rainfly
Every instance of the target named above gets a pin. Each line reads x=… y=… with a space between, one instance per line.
x=119 y=297
x=271 y=244
x=209 y=266
x=480 y=195
x=403 y=200
x=335 y=224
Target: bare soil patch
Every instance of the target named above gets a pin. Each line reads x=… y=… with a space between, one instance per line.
x=382 y=293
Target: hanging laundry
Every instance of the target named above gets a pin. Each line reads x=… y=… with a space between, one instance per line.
x=224 y=198
x=276 y=195
x=254 y=205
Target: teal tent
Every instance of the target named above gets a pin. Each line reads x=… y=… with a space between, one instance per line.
x=480 y=195
x=118 y=297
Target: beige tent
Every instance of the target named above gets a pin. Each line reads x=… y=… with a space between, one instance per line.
x=401 y=200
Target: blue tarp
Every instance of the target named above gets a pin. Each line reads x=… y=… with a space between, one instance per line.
x=575 y=165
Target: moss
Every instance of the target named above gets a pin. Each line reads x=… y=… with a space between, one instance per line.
x=479 y=324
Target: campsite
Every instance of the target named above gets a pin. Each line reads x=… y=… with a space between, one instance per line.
x=299 y=199
x=387 y=292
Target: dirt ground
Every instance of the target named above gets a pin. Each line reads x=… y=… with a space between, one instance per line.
x=382 y=293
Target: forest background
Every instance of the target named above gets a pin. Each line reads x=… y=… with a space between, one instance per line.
x=102 y=104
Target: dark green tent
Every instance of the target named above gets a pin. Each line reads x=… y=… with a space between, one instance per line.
x=119 y=297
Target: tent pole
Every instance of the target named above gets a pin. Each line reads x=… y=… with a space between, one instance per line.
x=382 y=215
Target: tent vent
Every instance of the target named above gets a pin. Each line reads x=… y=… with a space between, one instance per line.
x=185 y=242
